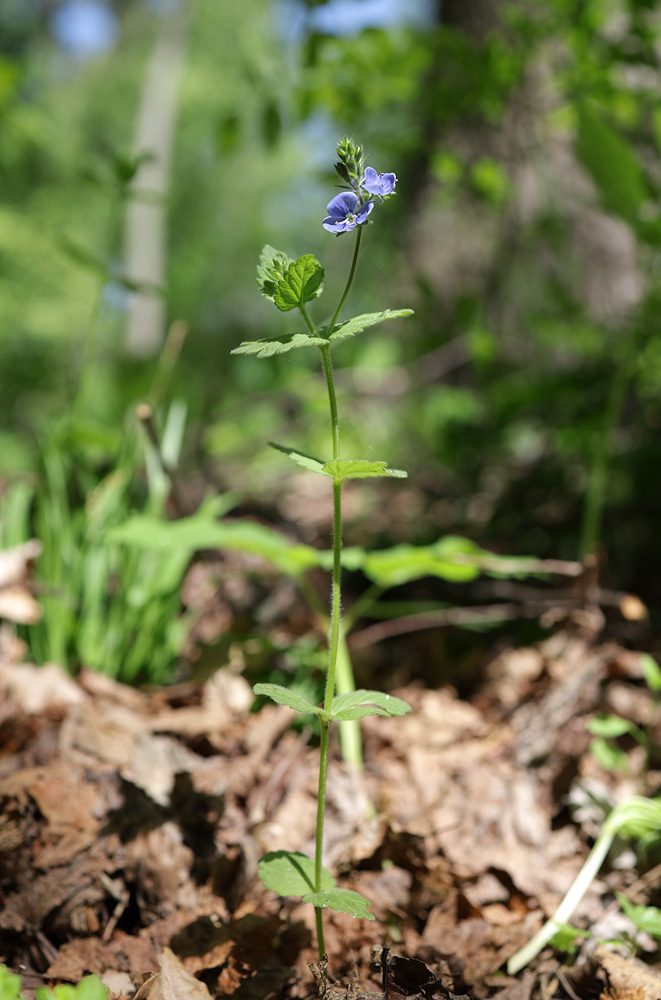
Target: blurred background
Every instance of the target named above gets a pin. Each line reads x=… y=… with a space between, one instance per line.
x=148 y=150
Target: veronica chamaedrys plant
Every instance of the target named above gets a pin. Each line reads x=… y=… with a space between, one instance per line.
x=292 y=284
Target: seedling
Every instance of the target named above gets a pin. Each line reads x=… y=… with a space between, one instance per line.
x=293 y=284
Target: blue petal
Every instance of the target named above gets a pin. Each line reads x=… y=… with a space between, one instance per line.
x=342 y=204
x=363 y=212
x=335 y=225
x=379 y=184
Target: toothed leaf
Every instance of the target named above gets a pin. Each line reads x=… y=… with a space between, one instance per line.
x=358 y=468
x=359 y=323
x=302 y=282
x=268 y=348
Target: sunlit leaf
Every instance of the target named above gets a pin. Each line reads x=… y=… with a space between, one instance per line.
x=269 y=348
x=271 y=268
x=342 y=901
x=358 y=468
x=651 y=672
x=302 y=282
x=609 y=726
x=284 y=696
x=608 y=755
x=305 y=461
x=360 y=704
x=291 y=873
x=359 y=323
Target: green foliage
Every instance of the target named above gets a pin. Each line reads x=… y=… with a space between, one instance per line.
x=89 y=988
x=614 y=166
x=344 y=708
x=291 y=873
x=646 y=918
x=566 y=938
x=109 y=607
x=10 y=985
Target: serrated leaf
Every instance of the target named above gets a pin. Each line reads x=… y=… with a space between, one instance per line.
x=609 y=726
x=302 y=282
x=291 y=873
x=305 y=461
x=360 y=704
x=342 y=901
x=359 y=323
x=272 y=267
x=359 y=468
x=269 y=348
x=283 y=696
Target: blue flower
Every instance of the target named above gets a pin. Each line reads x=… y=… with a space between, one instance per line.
x=378 y=184
x=345 y=213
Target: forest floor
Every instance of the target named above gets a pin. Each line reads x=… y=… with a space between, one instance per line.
x=132 y=821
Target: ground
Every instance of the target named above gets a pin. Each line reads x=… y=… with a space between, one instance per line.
x=132 y=822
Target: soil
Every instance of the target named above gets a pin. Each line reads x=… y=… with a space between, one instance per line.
x=132 y=822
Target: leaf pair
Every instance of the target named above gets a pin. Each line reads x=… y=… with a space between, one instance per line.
x=344 y=707
x=268 y=348
x=339 y=469
x=290 y=873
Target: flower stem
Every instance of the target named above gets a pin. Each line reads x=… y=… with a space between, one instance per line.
x=336 y=595
x=349 y=282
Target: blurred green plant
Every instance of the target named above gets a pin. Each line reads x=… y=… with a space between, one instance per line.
x=607 y=729
x=105 y=606
x=89 y=988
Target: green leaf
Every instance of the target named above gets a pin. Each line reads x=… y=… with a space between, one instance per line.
x=609 y=726
x=89 y=988
x=10 y=984
x=359 y=323
x=613 y=164
x=305 y=461
x=283 y=696
x=302 y=282
x=273 y=265
x=566 y=936
x=358 y=468
x=268 y=348
x=403 y=563
x=291 y=873
x=360 y=704
x=202 y=532
x=608 y=756
x=342 y=901
x=646 y=918
x=651 y=672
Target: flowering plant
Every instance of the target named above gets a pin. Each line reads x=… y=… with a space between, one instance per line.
x=293 y=284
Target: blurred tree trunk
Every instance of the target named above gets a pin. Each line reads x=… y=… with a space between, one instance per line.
x=146 y=220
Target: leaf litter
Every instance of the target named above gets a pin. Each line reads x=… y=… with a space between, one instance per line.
x=132 y=823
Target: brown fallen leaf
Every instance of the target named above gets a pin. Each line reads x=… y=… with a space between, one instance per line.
x=173 y=982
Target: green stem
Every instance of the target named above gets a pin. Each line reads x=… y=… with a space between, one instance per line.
x=336 y=595
x=349 y=282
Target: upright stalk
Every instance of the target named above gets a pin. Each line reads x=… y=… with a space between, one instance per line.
x=336 y=597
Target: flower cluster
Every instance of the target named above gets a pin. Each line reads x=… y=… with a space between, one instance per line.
x=351 y=208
